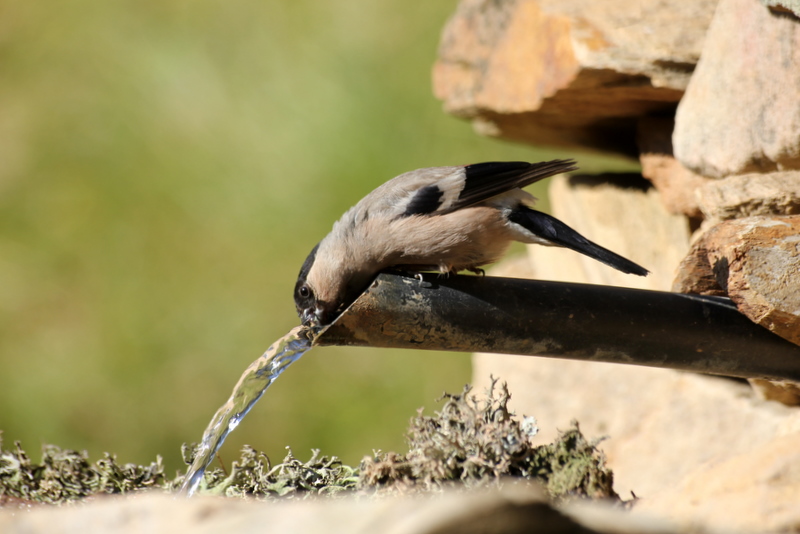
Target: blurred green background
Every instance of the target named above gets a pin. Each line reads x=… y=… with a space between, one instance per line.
x=165 y=167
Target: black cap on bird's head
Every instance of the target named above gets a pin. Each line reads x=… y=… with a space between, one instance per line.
x=304 y=298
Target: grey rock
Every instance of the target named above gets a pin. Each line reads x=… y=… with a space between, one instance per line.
x=745 y=195
x=741 y=110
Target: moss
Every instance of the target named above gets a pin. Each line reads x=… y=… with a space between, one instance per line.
x=469 y=441
x=253 y=475
x=65 y=475
x=479 y=442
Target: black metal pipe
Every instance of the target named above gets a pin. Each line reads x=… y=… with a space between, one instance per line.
x=564 y=320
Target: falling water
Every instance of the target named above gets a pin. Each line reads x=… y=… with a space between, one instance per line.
x=250 y=387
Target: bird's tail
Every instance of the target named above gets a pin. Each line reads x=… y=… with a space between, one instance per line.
x=551 y=229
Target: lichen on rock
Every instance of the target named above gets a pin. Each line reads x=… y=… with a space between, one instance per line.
x=468 y=443
x=480 y=441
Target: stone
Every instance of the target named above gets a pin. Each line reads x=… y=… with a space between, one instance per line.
x=741 y=110
x=660 y=425
x=695 y=275
x=776 y=193
x=623 y=213
x=676 y=184
x=756 y=261
x=756 y=491
x=568 y=73
x=783 y=6
x=665 y=429
x=508 y=510
x=784 y=391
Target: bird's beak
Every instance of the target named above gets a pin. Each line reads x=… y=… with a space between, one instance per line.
x=311 y=317
x=319 y=315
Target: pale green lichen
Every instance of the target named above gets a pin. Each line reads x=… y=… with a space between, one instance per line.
x=479 y=442
x=470 y=442
x=253 y=475
x=65 y=475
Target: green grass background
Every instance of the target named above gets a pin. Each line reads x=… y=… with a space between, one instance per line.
x=165 y=167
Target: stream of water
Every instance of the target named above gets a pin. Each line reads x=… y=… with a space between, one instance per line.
x=250 y=387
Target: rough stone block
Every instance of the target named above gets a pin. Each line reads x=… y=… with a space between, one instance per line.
x=751 y=492
x=776 y=193
x=622 y=213
x=568 y=73
x=664 y=428
x=756 y=261
x=783 y=6
x=741 y=110
x=676 y=184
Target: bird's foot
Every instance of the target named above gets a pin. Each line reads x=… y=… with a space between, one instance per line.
x=408 y=273
x=444 y=271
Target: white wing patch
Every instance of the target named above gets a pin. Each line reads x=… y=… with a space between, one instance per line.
x=451 y=187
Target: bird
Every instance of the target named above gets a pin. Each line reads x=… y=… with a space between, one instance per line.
x=445 y=219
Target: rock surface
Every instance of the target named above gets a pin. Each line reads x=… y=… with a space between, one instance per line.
x=663 y=426
x=756 y=261
x=511 y=510
x=785 y=391
x=677 y=185
x=667 y=430
x=622 y=213
x=695 y=275
x=568 y=73
x=741 y=110
x=783 y=6
x=756 y=491
x=776 y=193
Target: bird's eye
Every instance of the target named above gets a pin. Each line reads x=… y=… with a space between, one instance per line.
x=304 y=292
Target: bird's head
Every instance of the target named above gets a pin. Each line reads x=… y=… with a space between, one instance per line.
x=325 y=287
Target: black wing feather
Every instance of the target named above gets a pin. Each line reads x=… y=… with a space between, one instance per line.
x=485 y=180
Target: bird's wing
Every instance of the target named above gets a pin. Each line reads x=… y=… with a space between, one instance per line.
x=440 y=190
x=485 y=180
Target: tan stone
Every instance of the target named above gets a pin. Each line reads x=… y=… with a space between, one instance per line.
x=509 y=510
x=750 y=194
x=785 y=392
x=759 y=260
x=567 y=73
x=757 y=491
x=676 y=184
x=622 y=213
x=661 y=425
x=741 y=110
x=756 y=261
x=666 y=429
x=783 y=6
x=695 y=275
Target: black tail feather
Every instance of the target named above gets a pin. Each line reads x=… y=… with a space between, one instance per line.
x=555 y=231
